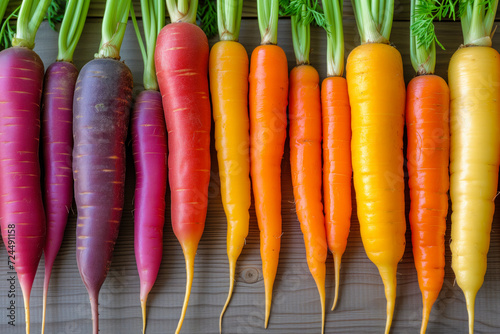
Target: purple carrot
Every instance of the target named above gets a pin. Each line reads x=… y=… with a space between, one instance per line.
x=101 y=111
x=22 y=217
x=149 y=145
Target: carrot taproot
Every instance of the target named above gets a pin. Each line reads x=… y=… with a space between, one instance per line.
x=101 y=112
x=268 y=99
x=181 y=59
x=377 y=96
x=228 y=72
x=149 y=149
x=427 y=125
x=57 y=136
x=22 y=216
x=473 y=75
x=336 y=117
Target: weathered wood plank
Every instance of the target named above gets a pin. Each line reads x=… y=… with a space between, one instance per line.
x=361 y=308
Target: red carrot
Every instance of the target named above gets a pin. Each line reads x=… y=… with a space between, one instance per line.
x=181 y=60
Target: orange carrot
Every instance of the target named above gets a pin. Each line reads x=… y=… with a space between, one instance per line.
x=337 y=168
x=427 y=107
x=268 y=99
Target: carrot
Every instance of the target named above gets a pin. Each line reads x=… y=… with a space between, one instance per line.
x=149 y=147
x=228 y=69
x=268 y=99
x=337 y=168
x=475 y=147
x=22 y=218
x=305 y=145
x=57 y=136
x=181 y=59
x=427 y=124
x=102 y=100
x=377 y=97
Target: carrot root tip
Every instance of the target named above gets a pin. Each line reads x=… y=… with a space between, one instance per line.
x=232 y=265
x=336 y=260
x=189 y=258
x=143 y=309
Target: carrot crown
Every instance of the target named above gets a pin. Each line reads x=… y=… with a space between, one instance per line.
x=303 y=13
x=30 y=17
x=113 y=28
x=153 y=19
x=477 y=18
x=229 y=19
x=422 y=34
x=374 y=20
x=335 y=37
x=267 y=14
x=182 y=10
x=71 y=28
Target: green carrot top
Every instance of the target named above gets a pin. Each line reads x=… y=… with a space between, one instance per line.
x=71 y=28
x=267 y=14
x=374 y=20
x=182 y=10
x=153 y=19
x=477 y=18
x=422 y=34
x=229 y=19
x=113 y=28
x=303 y=13
x=335 y=37
x=30 y=17
x=3 y=7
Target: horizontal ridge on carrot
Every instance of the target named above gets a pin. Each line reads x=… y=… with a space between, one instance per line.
x=473 y=75
x=149 y=147
x=181 y=60
x=427 y=125
x=101 y=104
x=336 y=116
x=22 y=217
x=228 y=66
x=57 y=136
x=268 y=99
x=377 y=96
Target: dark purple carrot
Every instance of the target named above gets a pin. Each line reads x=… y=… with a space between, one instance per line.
x=22 y=218
x=101 y=110
x=57 y=136
x=149 y=146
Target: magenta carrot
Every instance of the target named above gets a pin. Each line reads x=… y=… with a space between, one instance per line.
x=149 y=146
x=22 y=217
x=57 y=136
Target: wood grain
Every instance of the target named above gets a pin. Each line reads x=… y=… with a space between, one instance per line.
x=361 y=307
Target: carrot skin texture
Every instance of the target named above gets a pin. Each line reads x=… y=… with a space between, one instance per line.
x=57 y=145
x=377 y=96
x=473 y=76
x=21 y=208
x=268 y=99
x=181 y=60
x=228 y=66
x=337 y=168
x=149 y=145
x=305 y=162
x=101 y=111
x=427 y=123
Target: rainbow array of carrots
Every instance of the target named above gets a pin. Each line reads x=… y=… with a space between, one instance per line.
x=342 y=129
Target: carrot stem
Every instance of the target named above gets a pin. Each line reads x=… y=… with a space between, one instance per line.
x=267 y=14
x=182 y=10
x=374 y=26
x=477 y=17
x=113 y=28
x=229 y=19
x=71 y=28
x=335 y=37
x=30 y=17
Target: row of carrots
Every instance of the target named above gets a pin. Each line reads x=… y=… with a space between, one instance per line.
x=360 y=119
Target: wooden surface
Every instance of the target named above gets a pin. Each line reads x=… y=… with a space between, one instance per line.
x=295 y=308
